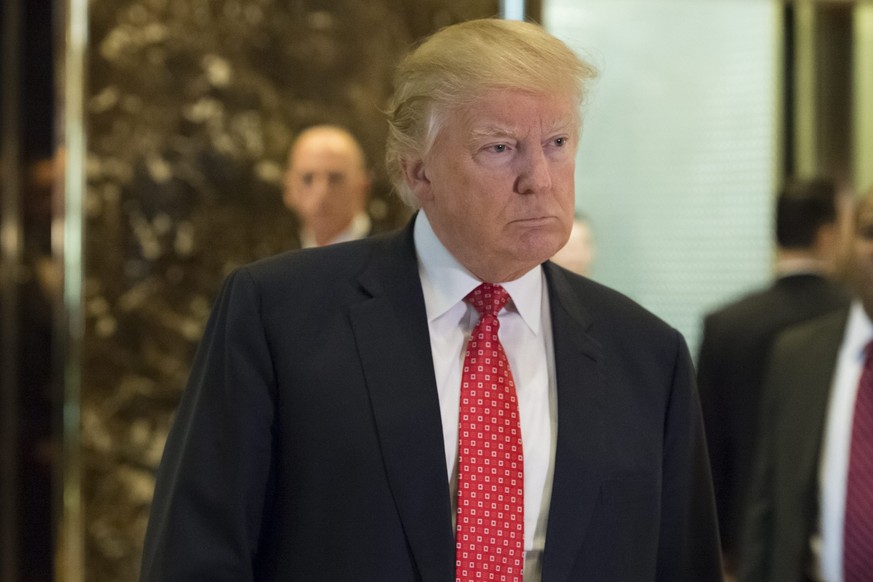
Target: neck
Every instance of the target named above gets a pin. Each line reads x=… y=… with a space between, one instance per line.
x=788 y=260
x=796 y=254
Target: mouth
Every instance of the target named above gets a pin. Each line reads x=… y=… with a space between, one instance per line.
x=535 y=221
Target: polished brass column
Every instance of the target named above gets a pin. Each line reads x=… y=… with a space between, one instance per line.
x=68 y=250
x=863 y=96
x=805 y=95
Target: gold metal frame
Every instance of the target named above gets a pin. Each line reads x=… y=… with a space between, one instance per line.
x=862 y=163
x=805 y=94
x=68 y=250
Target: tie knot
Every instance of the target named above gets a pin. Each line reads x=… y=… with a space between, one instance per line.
x=488 y=299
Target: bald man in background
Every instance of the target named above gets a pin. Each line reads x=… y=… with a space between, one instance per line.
x=577 y=254
x=327 y=185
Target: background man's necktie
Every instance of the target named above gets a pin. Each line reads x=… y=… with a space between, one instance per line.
x=858 y=520
x=490 y=531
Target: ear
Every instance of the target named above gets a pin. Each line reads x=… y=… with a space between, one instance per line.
x=415 y=173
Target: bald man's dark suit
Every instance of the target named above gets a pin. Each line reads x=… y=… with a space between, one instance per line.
x=309 y=446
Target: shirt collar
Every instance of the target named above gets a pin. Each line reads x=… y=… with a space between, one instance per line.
x=445 y=282
x=358 y=228
x=859 y=330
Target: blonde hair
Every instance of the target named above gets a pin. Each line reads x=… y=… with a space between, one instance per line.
x=454 y=66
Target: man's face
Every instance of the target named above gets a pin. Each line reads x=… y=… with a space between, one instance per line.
x=326 y=183
x=497 y=185
x=862 y=253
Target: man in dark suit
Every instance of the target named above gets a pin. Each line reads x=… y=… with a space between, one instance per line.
x=737 y=339
x=795 y=526
x=337 y=428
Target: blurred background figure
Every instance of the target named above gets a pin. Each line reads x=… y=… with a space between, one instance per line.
x=578 y=254
x=327 y=185
x=809 y=514
x=737 y=338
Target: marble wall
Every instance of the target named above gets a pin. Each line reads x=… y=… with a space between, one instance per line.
x=191 y=108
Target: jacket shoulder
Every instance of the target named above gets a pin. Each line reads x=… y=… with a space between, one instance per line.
x=604 y=310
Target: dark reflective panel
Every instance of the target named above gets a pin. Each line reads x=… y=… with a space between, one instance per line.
x=28 y=292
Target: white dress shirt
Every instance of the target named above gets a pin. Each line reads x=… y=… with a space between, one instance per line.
x=358 y=228
x=526 y=336
x=834 y=462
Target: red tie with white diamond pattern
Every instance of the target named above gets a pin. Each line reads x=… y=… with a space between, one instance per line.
x=858 y=519
x=490 y=532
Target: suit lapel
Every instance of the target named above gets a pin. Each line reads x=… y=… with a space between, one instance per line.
x=581 y=388
x=393 y=343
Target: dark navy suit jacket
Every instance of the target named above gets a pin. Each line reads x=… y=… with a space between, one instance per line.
x=308 y=444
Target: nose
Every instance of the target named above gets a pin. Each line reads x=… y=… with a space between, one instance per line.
x=534 y=175
x=319 y=191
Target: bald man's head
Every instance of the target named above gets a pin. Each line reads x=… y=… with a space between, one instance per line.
x=327 y=182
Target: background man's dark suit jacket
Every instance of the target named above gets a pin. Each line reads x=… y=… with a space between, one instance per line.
x=308 y=445
x=731 y=363
x=783 y=496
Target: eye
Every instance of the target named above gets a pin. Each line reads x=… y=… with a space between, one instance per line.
x=499 y=148
x=561 y=141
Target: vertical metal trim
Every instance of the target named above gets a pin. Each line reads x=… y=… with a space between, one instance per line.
x=68 y=248
x=779 y=95
x=512 y=9
x=862 y=97
x=805 y=94
x=779 y=88
x=10 y=262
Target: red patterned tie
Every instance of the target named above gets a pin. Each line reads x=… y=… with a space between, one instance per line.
x=858 y=520
x=490 y=532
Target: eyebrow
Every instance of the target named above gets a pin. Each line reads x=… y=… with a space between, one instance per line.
x=497 y=131
x=488 y=132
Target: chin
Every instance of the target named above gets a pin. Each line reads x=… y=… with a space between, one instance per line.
x=537 y=254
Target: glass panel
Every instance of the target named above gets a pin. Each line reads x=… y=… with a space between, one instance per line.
x=678 y=157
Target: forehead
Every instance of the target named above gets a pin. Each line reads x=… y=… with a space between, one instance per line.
x=324 y=146
x=512 y=112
